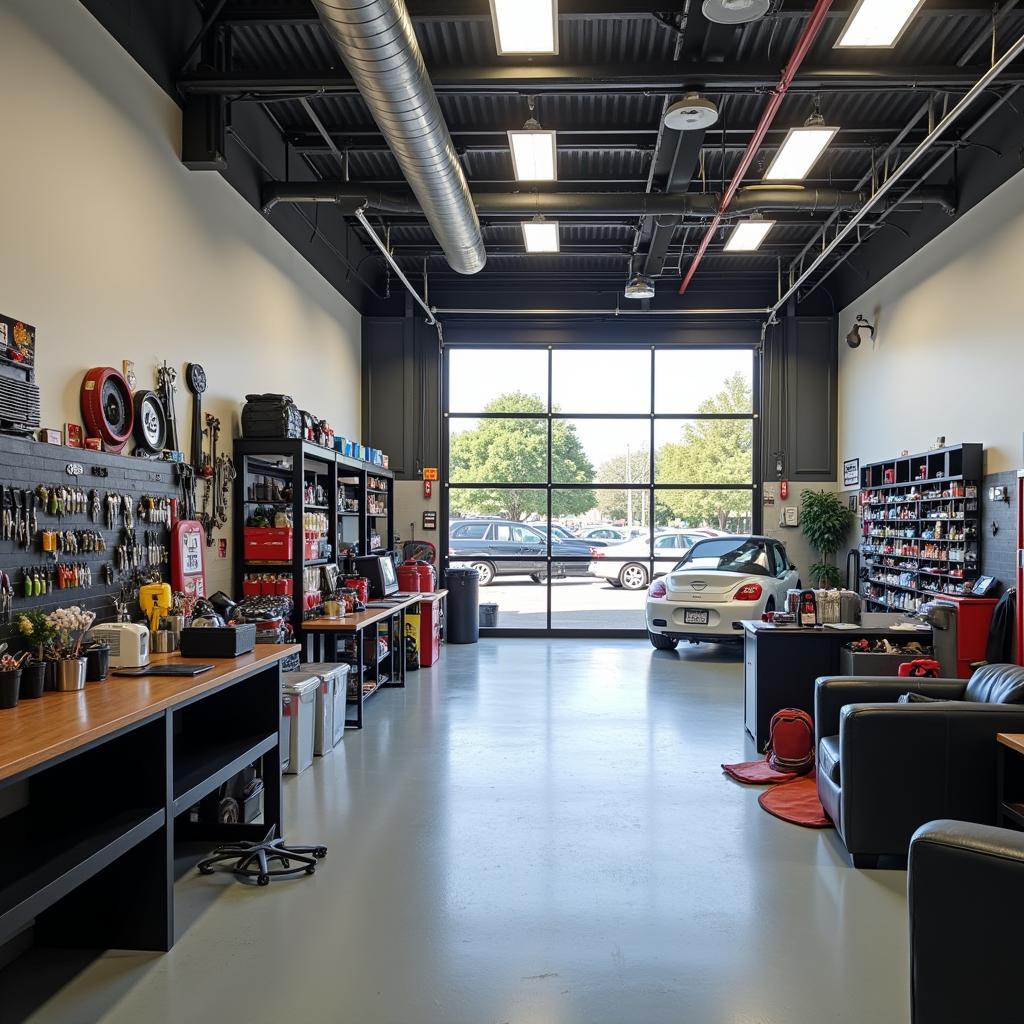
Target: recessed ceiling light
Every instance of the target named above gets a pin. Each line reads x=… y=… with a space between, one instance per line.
x=799 y=152
x=748 y=236
x=533 y=153
x=735 y=12
x=540 y=235
x=878 y=22
x=691 y=113
x=525 y=26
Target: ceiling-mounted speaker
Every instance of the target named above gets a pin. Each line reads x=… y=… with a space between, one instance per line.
x=735 y=12
x=692 y=113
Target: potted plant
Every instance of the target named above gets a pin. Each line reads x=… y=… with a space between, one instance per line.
x=70 y=625
x=10 y=680
x=826 y=522
x=36 y=637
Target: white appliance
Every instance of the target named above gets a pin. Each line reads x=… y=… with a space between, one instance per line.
x=129 y=643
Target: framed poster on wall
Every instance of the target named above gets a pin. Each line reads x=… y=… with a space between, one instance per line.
x=851 y=473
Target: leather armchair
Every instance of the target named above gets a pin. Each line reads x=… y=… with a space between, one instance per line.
x=885 y=768
x=966 y=897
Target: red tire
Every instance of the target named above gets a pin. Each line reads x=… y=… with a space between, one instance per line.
x=107 y=407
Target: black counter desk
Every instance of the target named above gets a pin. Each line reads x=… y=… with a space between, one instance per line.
x=781 y=663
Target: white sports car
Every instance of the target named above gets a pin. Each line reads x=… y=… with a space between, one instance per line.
x=718 y=583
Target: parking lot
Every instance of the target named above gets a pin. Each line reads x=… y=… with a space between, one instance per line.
x=576 y=603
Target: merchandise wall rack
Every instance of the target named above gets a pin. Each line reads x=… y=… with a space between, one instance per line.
x=920 y=527
x=359 y=508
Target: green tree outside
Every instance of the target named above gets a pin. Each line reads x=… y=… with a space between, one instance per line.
x=516 y=450
x=614 y=505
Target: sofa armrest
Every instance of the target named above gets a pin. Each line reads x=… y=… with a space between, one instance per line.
x=904 y=764
x=966 y=897
x=833 y=693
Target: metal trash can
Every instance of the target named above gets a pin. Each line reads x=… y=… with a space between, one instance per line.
x=331 y=695
x=463 y=606
x=488 y=615
x=298 y=705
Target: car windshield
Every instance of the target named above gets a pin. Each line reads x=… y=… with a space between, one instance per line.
x=729 y=554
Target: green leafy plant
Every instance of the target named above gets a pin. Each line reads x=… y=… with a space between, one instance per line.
x=826 y=520
x=35 y=632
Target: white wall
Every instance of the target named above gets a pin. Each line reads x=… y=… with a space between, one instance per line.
x=113 y=250
x=949 y=352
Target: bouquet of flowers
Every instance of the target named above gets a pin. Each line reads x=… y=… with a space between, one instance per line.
x=36 y=633
x=70 y=625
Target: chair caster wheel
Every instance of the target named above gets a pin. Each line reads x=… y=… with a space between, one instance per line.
x=320 y=852
x=263 y=879
x=311 y=870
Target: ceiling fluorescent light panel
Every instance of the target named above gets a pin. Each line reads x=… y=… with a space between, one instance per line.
x=748 y=236
x=799 y=153
x=540 y=235
x=878 y=22
x=525 y=26
x=533 y=154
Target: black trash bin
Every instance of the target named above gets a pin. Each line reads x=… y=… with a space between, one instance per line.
x=463 y=626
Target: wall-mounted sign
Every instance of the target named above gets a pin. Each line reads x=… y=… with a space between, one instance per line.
x=851 y=473
x=430 y=473
x=429 y=520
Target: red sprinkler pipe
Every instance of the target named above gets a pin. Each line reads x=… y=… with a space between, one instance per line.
x=800 y=51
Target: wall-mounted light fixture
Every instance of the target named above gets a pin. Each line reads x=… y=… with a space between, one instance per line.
x=859 y=330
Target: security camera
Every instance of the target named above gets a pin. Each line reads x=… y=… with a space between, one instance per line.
x=856 y=335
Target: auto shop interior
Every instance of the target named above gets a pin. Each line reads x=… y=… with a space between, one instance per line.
x=540 y=486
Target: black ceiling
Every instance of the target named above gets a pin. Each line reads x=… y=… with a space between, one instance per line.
x=619 y=64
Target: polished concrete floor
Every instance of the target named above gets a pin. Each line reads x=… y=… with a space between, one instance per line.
x=534 y=832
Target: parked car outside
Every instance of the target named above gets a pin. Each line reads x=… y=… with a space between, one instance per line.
x=502 y=547
x=561 y=533
x=717 y=584
x=609 y=534
x=634 y=572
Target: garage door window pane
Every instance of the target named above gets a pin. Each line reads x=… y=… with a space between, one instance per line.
x=713 y=508
x=703 y=381
x=489 y=380
x=498 y=451
x=601 y=380
x=704 y=452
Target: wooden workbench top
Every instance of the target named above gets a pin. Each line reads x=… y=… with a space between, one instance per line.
x=356 y=621
x=38 y=730
x=1013 y=740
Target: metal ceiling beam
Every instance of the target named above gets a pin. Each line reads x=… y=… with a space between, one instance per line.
x=658 y=79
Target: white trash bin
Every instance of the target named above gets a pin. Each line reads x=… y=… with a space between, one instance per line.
x=331 y=698
x=298 y=708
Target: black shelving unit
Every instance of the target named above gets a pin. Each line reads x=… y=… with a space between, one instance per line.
x=920 y=526
x=352 y=489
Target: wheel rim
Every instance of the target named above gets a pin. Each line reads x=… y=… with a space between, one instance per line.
x=634 y=577
x=485 y=572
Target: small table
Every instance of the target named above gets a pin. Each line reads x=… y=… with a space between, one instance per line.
x=1010 y=780
x=354 y=625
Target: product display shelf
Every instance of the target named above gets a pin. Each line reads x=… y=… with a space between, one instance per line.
x=905 y=563
x=291 y=464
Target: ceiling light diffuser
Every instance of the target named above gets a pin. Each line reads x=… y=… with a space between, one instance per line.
x=878 y=22
x=525 y=26
x=748 y=236
x=533 y=153
x=800 y=151
x=540 y=235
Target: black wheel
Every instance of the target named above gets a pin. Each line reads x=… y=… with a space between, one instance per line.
x=320 y=852
x=204 y=870
x=633 y=576
x=616 y=584
x=263 y=879
x=311 y=870
x=486 y=572
x=536 y=577
x=150 y=421
x=662 y=643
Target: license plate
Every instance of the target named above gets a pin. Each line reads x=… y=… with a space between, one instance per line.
x=695 y=617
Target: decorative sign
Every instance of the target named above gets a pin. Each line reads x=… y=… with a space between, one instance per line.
x=430 y=473
x=429 y=520
x=73 y=435
x=851 y=473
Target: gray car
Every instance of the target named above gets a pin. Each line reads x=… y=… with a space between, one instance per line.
x=501 y=547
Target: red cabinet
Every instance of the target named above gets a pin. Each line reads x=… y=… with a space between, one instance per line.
x=430 y=632
x=973 y=619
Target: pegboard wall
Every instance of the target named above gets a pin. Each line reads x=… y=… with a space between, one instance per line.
x=27 y=464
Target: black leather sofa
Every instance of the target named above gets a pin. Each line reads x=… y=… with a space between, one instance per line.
x=966 y=895
x=885 y=768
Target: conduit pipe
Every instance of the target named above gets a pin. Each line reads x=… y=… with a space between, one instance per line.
x=444 y=311
x=800 y=51
x=376 y=40
x=926 y=144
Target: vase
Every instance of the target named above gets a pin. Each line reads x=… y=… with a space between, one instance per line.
x=98 y=663
x=71 y=674
x=50 y=676
x=33 y=677
x=10 y=684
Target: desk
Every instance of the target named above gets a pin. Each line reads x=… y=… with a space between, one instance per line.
x=388 y=670
x=96 y=780
x=781 y=663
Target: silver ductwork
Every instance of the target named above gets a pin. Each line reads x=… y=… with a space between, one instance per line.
x=375 y=39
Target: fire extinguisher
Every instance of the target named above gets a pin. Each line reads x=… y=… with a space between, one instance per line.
x=783 y=489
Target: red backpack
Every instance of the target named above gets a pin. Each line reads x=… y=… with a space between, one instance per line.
x=791 y=742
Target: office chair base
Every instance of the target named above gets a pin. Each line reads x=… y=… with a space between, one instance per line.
x=258 y=860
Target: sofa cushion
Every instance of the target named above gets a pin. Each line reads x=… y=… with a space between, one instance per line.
x=828 y=758
x=996 y=684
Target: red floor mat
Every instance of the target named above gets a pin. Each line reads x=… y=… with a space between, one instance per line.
x=796 y=802
x=756 y=773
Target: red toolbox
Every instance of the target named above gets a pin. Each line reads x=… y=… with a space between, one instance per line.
x=430 y=632
x=973 y=621
x=268 y=543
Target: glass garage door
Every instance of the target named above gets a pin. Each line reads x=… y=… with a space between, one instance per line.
x=574 y=476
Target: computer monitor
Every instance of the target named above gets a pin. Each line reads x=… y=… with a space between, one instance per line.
x=380 y=571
